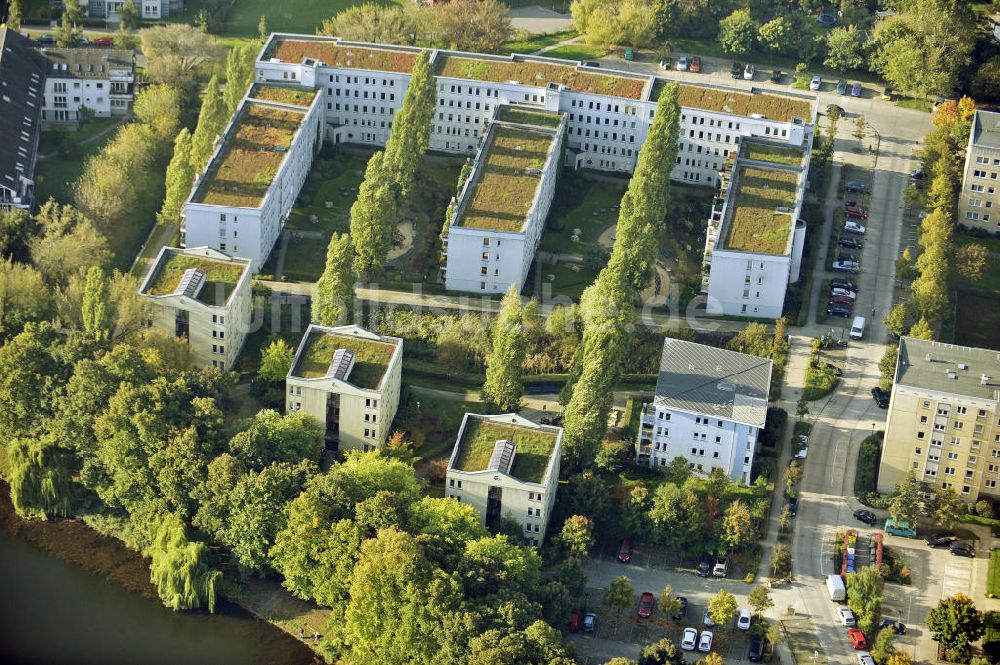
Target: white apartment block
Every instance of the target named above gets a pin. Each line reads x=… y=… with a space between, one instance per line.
x=99 y=79
x=979 y=195
x=22 y=81
x=709 y=407
x=507 y=466
x=755 y=236
x=241 y=201
x=149 y=10
x=348 y=379
x=500 y=212
x=203 y=296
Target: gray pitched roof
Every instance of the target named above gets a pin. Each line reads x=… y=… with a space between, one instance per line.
x=22 y=82
x=716 y=382
x=948 y=368
x=85 y=63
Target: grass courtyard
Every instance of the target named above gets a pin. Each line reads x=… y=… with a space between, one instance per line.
x=976 y=315
x=299 y=16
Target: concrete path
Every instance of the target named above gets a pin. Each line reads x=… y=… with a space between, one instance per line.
x=574 y=40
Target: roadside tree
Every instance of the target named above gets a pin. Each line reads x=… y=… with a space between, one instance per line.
x=760 y=599
x=737 y=32
x=864 y=597
x=955 y=624
x=619 y=594
x=907 y=501
x=721 y=607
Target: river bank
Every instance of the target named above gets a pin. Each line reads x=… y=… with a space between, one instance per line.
x=59 y=606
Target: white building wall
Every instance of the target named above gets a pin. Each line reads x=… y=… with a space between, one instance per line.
x=744 y=284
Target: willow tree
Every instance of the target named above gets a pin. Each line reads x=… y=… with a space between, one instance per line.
x=503 y=372
x=41 y=484
x=180 y=569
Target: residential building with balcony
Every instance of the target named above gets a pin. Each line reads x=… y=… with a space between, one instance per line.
x=22 y=84
x=507 y=466
x=497 y=221
x=978 y=200
x=943 y=422
x=149 y=10
x=99 y=79
x=755 y=235
x=204 y=296
x=709 y=408
x=348 y=379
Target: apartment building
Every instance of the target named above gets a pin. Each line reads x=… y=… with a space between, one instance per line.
x=22 y=81
x=507 y=466
x=498 y=219
x=709 y=407
x=203 y=296
x=348 y=379
x=239 y=204
x=979 y=183
x=943 y=421
x=101 y=80
x=755 y=236
x=149 y=10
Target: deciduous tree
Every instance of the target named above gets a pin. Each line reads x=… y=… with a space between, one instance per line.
x=662 y=652
x=760 y=599
x=577 y=536
x=180 y=178
x=737 y=525
x=844 y=50
x=864 y=597
x=130 y=14
x=619 y=594
x=907 y=501
x=15 y=14
x=737 y=32
x=333 y=304
x=503 y=386
x=721 y=607
x=239 y=74
x=175 y=51
x=395 y=24
x=971 y=261
x=180 y=568
x=211 y=121
x=373 y=217
x=480 y=26
x=275 y=361
x=955 y=623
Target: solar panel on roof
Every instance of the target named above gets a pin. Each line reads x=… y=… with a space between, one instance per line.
x=502 y=458
x=191 y=283
x=340 y=365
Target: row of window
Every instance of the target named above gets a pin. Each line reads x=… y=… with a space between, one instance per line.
x=361 y=94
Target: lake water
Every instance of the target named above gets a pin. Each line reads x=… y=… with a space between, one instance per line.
x=52 y=612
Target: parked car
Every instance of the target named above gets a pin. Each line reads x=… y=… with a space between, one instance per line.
x=835 y=111
x=843 y=301
x=866 y=516
x=897 y=627
x=865 y=658
x=846 y=266
x=846 y=616
x=629 y=54
x=841 y=283
x=591 y=63
x=743 y=619
x=880 y=398
x=841 y=87
x=856 y=89
x=776 y=76
x=856 y=186
x=721 y=567
x=625 y=551
x=887 y=93
x=575 y=617
x=837 y=291
x=707 y=619
x=705 y=641
x=917 y=174
x=902 y=529
x=689 y=639
x=695 y=64
x=705 y=565
x=46 y=39
x=962 y=549
x=748 y=72
x=838 y=310
x=793 y=506
x=851 y=243
x=854 y=227
x=857 y=638
x=755 y=652
x=589 y=622
x=941 y=539
x=682 y=608
x=856 y=212
x=682 y=63
x=816 y=82
x=102 y=41
x=646 y=602
x=736 y=71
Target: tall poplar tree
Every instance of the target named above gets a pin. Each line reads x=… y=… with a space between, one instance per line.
x=503 y=373
x=94 y=306
x=180 y=177
x=211 y=121
x=373 y=217
x=411 y=127
x=239 y=74
x=334 y=301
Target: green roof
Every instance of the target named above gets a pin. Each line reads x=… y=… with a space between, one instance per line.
x=505 y=187
x=371 y=357
x=724 y=100
x=221 y=277
x=245 y=167
x=529 y=117
x=533 y=447
x=769 y=152
x=347 y=56
x=277 y=93
x=754 y=224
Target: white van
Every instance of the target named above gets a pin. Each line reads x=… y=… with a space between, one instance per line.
x=835 y=585
x=858 y=327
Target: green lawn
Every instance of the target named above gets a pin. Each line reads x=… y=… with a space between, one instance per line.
x=301 y=16
x=577 y=52
x=304 y=259
x=993 y=577
x=536 y=42
x=334 y=177
x=977 y=317
x=584 y=203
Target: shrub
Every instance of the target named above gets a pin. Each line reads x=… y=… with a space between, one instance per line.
x=866 y=475
x=437 y=470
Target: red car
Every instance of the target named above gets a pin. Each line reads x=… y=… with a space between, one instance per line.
x=854 y=212
x=695 y=65
x=102 y=41
x=574 y=620
x=625 y=551
x=841 y=300
x=857 y=638
x=646 y=605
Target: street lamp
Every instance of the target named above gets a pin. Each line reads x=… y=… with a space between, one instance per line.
x=878 y=143
x=873 y=429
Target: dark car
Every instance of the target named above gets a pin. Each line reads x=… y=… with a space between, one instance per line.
x=776 y=76
x=866 y=516
x=695 y=64
x=851 y=243
x=591 y=63
x=705 y=565
x=897 y=627
x=838 y=311
x=846 y=301
x=589 y=622
x=941 y=539
x=880 y=398
x=836 y=370
x=962 y=549
x=102 y=41
x=625 y=551
x=917 y=174
x=736 y=71
x=856 y=187
x=793 y=507
x=841 y=283
x=756 y=651
x=575 y=617
x=646 y=605
x=682 y=608
x=834 y=111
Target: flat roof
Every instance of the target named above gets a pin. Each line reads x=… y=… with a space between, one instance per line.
x=525 y=116
x=334 y=54
x=534 y=446
x=536 y=72
x=730 y=100
x=508 y=178
x=766 y=151
x=283 y=94
x=936 y=366
x=254 y=149
x=371 y=356
x=221 y=276
x=754 y=224
x=986 y=129
x=85 y=62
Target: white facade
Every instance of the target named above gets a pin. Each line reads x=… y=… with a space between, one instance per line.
x=495 y=491
x=490 y=260
x=214 y=324
x=979 y=192
x=149 y=10
x=355 y=416
x=101 y=80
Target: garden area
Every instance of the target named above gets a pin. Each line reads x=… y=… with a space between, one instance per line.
x=977 y=317
x=822 y=375
x=866 y=473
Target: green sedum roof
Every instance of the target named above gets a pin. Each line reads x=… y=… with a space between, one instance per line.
x=533 y=447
